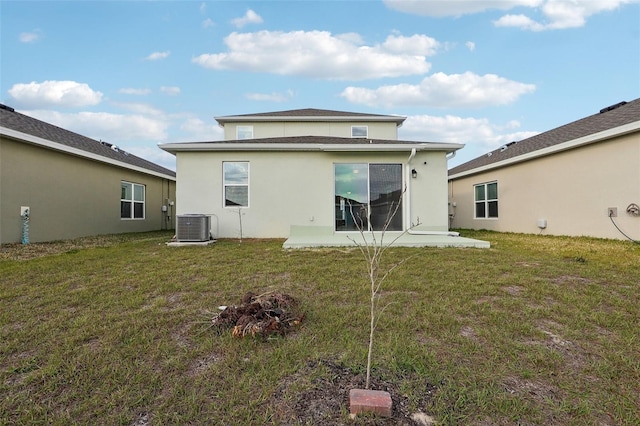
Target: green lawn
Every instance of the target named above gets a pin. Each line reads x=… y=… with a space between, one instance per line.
x=116 y=330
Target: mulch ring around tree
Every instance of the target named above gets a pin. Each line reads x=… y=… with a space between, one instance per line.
x=318 y=394
x=260 y=315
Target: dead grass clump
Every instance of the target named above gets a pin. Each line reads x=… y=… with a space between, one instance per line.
x=260 y=315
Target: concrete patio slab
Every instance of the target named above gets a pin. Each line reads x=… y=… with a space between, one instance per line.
x=321 y=236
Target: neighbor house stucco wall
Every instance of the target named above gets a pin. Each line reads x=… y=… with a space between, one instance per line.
x=70 y=197
x=377 y=130
x=571 y=190
x=297 y=188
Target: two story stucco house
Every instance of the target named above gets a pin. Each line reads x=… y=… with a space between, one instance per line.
x=56 y=185
x=579 y=179
x=316 y=177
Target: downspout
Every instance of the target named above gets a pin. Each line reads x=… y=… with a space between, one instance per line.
x=408 y=194
x=409 y=229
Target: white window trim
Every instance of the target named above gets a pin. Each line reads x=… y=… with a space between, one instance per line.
x=368 y=164
x=133 y=201
x=225 y=185
x=365 y=127
x=486 y=201
x=244 y=128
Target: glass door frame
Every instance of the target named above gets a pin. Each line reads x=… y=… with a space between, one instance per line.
x=360 y=209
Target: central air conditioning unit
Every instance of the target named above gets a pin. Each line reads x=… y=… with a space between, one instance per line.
x=193 y=227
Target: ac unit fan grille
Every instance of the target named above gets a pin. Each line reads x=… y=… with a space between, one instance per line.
x=193 y=227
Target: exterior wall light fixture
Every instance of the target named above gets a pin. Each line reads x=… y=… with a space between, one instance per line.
x=414 y=173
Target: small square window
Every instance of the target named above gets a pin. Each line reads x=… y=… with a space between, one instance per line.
x=486 y=200
x=359 y=131
x=132 y=200
x=244 y=132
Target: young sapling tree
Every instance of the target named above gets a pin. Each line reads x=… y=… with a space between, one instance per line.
x=372 y=251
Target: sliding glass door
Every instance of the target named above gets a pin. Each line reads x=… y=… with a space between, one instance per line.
x=367 y=196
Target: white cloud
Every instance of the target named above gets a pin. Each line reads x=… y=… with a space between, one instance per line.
x=132 y=91
x=29 y=37
x=319 y=54
x=197 y=130
x=139 y=108
x=249 y=18
x=207 y=23
x=69 y=94
x=478 y=132
x=270 y=97
x=558 y=14
x=455 y=7
x=203 y=7
x=470 y=45
x=415 y=45
x=519 y=21
x=466 y=90
x=170 y=90
x=112 y=128
x=155 y=56
x=155 y=155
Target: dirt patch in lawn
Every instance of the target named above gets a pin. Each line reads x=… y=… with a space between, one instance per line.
x=319 y=394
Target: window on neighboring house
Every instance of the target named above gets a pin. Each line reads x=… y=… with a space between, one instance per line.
x=359 y=131
x=486 y=199
x=244 y=132
x=132 y=197
x=236 y=183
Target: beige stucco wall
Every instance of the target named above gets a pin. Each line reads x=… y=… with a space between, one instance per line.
x=297 y=188
x=376 y=130
x=71 y=197
x=572 y=190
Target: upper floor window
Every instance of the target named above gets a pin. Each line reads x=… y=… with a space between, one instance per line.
x=359 y=131
x=244 y=132
x=236 y=183
x=486 y=200
x=131 y=200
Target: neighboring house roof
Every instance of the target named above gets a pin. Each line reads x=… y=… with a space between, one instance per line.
x=612 y=121
x=27 y=129
x=309 y=114
x=310 y=143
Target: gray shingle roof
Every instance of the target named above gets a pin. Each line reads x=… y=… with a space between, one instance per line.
x=608 y=118
x=22 y=123
x=310 y=113
x=332 y=140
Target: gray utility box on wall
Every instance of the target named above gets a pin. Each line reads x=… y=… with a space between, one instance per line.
x=193 y=227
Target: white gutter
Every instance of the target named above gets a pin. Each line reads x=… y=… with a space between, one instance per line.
x=248 y=146
x=35 y=140
x=564 y=146
x=408 y=190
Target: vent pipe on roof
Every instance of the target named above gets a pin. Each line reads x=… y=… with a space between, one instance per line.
x=6 y=107
x=612 y=107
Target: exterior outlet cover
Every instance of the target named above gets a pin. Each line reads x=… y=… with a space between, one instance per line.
x=24 y=209
x=542 y=223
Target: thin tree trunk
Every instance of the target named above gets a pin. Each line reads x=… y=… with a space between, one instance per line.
x=371 y=330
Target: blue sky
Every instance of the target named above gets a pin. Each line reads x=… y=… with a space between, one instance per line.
x=482 y=73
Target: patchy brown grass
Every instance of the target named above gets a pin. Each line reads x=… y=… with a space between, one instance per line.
x=117 y=330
